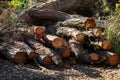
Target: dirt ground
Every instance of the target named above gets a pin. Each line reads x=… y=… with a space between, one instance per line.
x=10 y=71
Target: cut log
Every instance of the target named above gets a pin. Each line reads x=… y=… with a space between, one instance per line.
x=71 y=32
x=94 y=33
x=64 y=51
x=80 y=22
x=39 y=30
x=81 y=55
x=23 y=46
x=105 y=44
x=44 y=59
x=53 y=41
x=57 y=60
x=110 y=57
x=70 y=61
x=14 y=54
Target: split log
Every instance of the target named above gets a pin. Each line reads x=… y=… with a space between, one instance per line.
x=53 y=41
x=43 y=59
x=30 y=52
x=57 y=60
x=13 y=53
x=79 y=36
x=105 y=44
x=110 y=58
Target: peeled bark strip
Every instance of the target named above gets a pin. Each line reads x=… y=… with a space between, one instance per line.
x=71 y=32
x=110 y=57
x=64 y=52
x=43 y=59
x=14 y=54
x=30 y=52
x=53 y=40
x=105 y=44
x=57 y=60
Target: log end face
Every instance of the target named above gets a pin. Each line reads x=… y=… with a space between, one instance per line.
x=21 y=58
x=57 y=43
x=94 y=57
x=113 y=60
x=106 y=44
x=47 y=61
x=80 y=37
x=40 y=30
x=90 y=23
x=99 y=33
x=66 y=53
x=32 y=55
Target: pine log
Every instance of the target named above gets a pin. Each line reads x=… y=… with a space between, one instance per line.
x=57 y=59
x=105 y=44
x=97 y=33
x=53 y=41
x=13 y=53
x=79 y=22
x=64 y=51
x=30 y=52
x=39 y=30
x=110 y=58
x=79 y=36
x=43 y=59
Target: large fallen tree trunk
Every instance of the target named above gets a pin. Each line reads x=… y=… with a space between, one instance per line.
x=58 y=5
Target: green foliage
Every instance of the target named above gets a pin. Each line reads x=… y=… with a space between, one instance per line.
x=17 y=3
x=112 y=31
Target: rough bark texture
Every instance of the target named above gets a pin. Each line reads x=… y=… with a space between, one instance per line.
x=58 y=5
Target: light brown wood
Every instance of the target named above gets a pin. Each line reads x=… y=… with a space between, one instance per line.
x=53 y=40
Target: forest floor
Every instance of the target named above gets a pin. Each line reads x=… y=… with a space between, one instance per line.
x=10 y=71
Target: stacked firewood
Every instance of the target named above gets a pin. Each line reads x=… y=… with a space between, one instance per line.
x=71 y=41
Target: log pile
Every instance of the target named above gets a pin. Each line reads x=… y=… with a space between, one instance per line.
x=58 y=44
x=70 y=39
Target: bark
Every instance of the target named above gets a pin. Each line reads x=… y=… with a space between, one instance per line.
x=53 y=40
x=79 y=22
x=109 y=57
x=57 y=59
x=81 y=55
x=72 y=32
x=13 y=53
x=43 y=59
x=58 y=5
x=64 y=51
x=95 y=33
x=104 y=44
x=30 y=52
